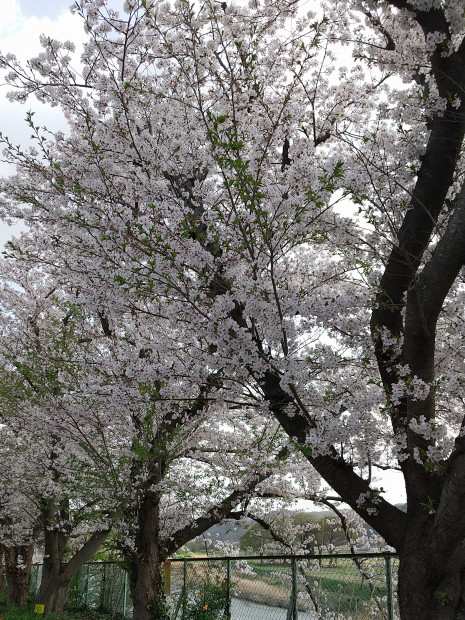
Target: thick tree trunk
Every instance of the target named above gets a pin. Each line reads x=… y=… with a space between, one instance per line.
x=146 y=581
x=18 y=562
x=52 y=594
x=53 y=587
x=57 y=575
x=431 y=585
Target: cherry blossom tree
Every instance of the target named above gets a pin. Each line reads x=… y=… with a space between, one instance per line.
x=56 y=500
x=284 y=530
x=107 y=446
x=19 y=520
x=188 y=499
x=285 y=190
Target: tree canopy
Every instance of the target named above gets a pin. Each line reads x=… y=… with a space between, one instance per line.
x=263 y=207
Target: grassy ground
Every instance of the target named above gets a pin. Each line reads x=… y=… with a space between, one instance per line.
x=342 y=572
x=338 y=587
x=9 y=612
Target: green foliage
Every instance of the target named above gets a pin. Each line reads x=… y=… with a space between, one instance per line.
x=16 y=613
x=429 y=505
x=254 y=539
x=327 y=531
x=109 y=551
x=306 y=450
x=345 y=595
x=207 y=603
x=159 y=610
x=194 y=547
x=442 y=597
x=11 y=612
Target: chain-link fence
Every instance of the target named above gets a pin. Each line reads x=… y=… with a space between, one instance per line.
x=101 y=586
x=324 y=587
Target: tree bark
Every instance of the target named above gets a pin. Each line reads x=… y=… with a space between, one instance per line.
x=57 y=575
x=430 y=587
x=52 y=592
x=18 y=562
x=2 y=568
x=146 y=581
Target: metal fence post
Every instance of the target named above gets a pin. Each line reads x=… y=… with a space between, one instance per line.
x=86 y=594
x=184 y=590
x=103 y=586
x=228 y=590
x=387 y=561
x=125 y=595
x=294 y=589
x=292 y=612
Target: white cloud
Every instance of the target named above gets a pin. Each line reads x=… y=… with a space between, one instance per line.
x=10 y=18
x=42 y=8
x=20 y=32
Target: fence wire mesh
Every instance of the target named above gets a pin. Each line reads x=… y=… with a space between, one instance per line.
x=286 y=588
x=101 y=586
x=35 y=578
x=337 y=587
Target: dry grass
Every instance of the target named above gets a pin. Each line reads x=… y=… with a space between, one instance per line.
x=261 y=592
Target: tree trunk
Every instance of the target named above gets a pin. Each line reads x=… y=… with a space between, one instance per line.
x=146 y=581
x=18 y=562
x=431 y=584
x=2 y=568
x=56 y=575
x=52 y=592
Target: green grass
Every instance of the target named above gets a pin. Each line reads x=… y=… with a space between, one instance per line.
x=331 y=578
x=363 y=590
x=270 y=569
x=339 y=589
x=343 y=572
x=10 y=612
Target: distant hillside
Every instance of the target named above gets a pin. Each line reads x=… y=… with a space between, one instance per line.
x=229 y=530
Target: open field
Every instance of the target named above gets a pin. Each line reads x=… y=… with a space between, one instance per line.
x=332 y=588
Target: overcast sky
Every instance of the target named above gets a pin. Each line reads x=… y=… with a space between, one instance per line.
x=44 y=8
x=23 y=21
